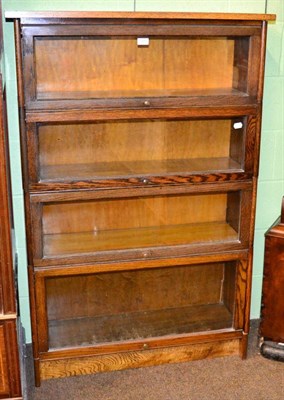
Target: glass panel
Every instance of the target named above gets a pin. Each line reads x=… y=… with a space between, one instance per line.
x=113 y=307
x=77 y=228
x=105 y=67
x=134 y=148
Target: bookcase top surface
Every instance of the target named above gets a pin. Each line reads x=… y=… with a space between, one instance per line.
x=139 y=15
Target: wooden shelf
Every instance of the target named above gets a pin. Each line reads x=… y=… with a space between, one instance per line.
x=56 y=245
x=104 y=94
x=137 y=325
x=73 y=172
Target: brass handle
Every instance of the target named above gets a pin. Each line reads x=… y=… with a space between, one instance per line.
x=146 y=103
x=145 y=181
x=145 y=346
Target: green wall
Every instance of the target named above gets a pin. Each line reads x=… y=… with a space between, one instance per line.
x=271 y=179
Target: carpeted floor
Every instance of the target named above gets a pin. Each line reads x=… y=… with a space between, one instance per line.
x=227 y=378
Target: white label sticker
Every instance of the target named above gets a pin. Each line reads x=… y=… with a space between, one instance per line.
x=238 y=125
x=143 y=41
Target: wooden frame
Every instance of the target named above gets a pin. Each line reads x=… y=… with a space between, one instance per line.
x=241 y=169
x=271 y=327
x=238 y=210
x=10 y=381
x=237 y=323
x=244 y=95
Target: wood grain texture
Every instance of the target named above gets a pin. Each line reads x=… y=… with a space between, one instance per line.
x=10 y=386
x=272 y=310
x=153 y=77
x=141 y=254
x=33 y=308
x=125 y=154
x=200 y=110
x=111 y=67
x=67 y=269
x=228 y=294
x=251 y=145
x=250 y=210
x=4 y=380
x=9 y=358
x=130 y=305
x=121 y=154
x=174 y=167
x=254 y=67
x=143 y=15
x=119 y=361
x=124 y=327
x=240 y=294
x=52 y=110
x=76 y=244
x=133 y=291
x=133 y=213
x=7 y=294
x=122 y=205
x=159 y=29
x=155 y=228
x=262 y=61
x=152 y=343
x=182 y=182
x=84 y=227
x=131 y=142
x=142 y=190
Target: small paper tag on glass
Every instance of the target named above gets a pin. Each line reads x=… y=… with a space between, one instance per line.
x=238 y=125
x=143 y=41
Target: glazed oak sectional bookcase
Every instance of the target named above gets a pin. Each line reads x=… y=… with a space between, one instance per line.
x=140 y=142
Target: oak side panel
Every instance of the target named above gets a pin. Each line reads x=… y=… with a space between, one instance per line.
x=263 y=40
x=240 y=294
x=229 y=287
x=250 y=144
x=254 y=63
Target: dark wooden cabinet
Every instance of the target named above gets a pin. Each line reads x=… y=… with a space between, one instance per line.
x=272 y=309
x=10 y=384
x=140 y=142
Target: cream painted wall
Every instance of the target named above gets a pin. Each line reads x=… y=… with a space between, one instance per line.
x=271 y=179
